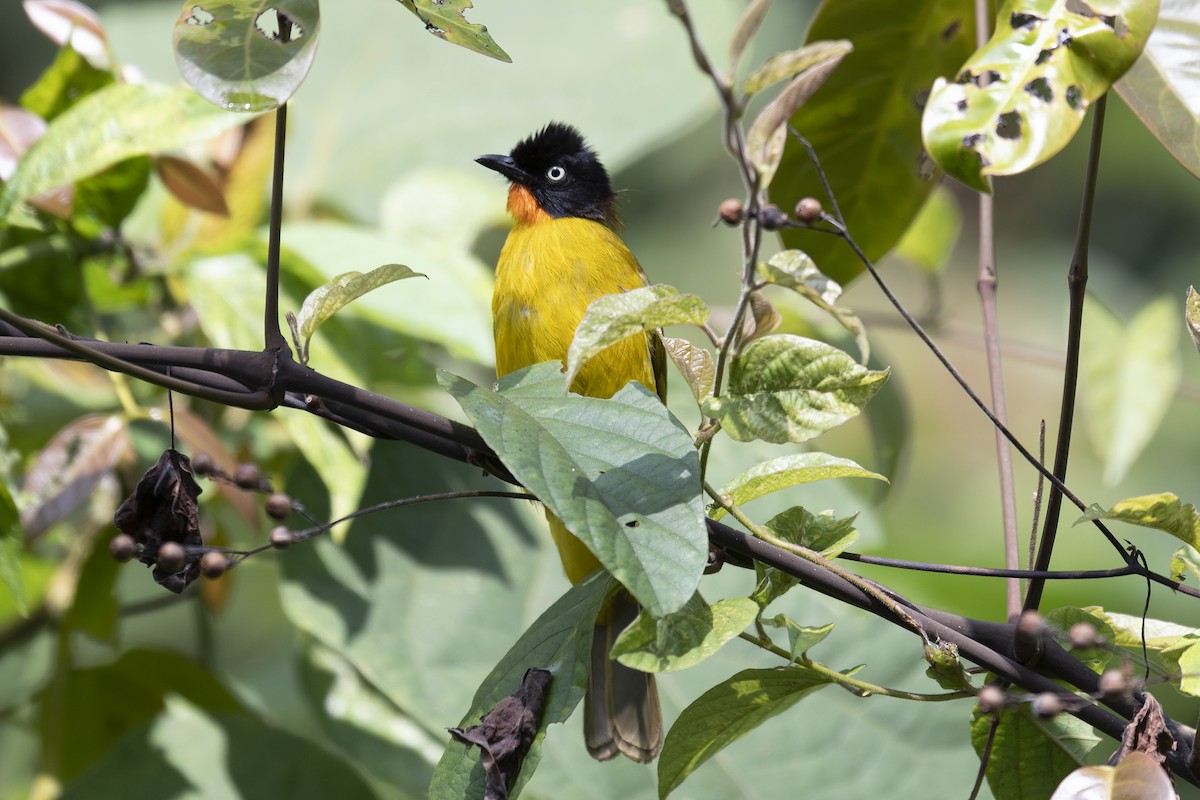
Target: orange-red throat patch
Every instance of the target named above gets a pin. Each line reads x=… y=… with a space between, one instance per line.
x=523 y=207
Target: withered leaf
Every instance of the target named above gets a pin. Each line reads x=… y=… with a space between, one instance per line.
x=1146 y=733
x=505 y=733
x=163 y=509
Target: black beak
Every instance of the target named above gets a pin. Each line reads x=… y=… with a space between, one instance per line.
x=505 y=166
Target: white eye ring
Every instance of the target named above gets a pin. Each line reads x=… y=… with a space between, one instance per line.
x=556 y=173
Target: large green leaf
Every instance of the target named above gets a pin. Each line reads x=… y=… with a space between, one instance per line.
x=115 y=123
x=1029 y=756
x=1164 y=512
x=685 y=638
x=446 y=19
x=727 y=712
x=561 y=641
x=786 y=388
x=621 y=474
x=795 y=270
x=1020 y=98
x=1163 y=86
x=865 y=122
x=784 y=472
x=246 y=56
x=1130 y=374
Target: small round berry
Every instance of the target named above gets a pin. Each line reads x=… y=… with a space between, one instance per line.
x=1082 y=636
x=122 y=547
x=731 y=211
x=1113 y=682
x=213 y=564
x=202 y=463
x=991 y=698
x=1030 y=625
x=170 y=557
x=281 y=537
x=808 y=209
x=1047 y=704
x=247 y=476
x=279 y=505
x=772 y=217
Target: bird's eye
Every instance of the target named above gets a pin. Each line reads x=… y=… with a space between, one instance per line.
x=556 y=173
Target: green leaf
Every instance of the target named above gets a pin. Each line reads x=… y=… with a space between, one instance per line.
x=787 y=388
x=621 y=474
x=801 y=638
x=930 y=239
x=12 y=543
x=727 y=712
x=64 y=83
x=784 y=472
x=865 y=123
x=790 y=63
x=1029 y=756
x=1183 y=660
x=825 y=533
x=329 y=298
x=108 y=126
x=1192 y=315
x=246 y=56
x=1164 y=512
x=766 y=136
x=1185 y=559
x=1162 y=86
x=1127 y=630
x=1131 y=374
x=796 y=271
x=946 y=668
x=614 y=317
x=104 y=200
x=446 y=19
x=685 y=638
x=695 y=364
x=1137 y=777
x=1096 y=658
x=1021 y=97
x=561 y=641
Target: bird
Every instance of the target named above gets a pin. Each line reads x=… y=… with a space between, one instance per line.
x=564 y=251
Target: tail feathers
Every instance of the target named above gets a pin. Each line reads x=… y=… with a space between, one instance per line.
x=621 y=712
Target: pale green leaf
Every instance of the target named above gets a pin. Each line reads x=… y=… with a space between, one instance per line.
x=1163 y=511
x=1130 y=374
x=117 y=122
x=621 y=474
x=684 y=638
x=1163 y=86
x=784 y=472
x=787 y=388
x=796 y=271
x=781 y=66
x=1021 y=97
x=824 y=533
x=695 y=364
x=765 y=139
x=1185 y=559
x=1030 y=756
x=801 y=638
x=930 y=239
x=1137 y=777
x=727 y=712
x=246 y=56
x=446 y=19
x=614 y=317
x=561 y=641
x=329 y=298
x=1192 y=315
x=1183 y=660
x=12 y=542
x=1127 y=630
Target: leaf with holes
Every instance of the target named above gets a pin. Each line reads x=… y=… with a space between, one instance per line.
x=787 y=388
x=1163 y=512
x=1021 y=97
x=334 y=295
x=685 y=638
x=246 y=56
x=446 y=19
x=621 y=474
x=795 y=270
x=611 y=318
x=1163 y=86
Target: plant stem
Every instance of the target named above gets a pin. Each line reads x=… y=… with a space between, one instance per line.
x=273 y=339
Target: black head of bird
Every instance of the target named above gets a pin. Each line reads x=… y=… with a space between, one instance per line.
x=554 y=172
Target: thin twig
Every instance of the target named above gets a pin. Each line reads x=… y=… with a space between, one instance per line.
x=273 y=339
x=989 y=572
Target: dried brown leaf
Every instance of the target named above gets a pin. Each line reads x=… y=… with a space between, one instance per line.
x=163 y=509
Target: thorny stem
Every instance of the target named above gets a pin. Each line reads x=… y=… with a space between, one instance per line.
x=860 y=688
x=1077 y=277
x=816 y=558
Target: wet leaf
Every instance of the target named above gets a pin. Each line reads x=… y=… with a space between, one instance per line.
x=786 y=388
x=614 y=317
x=684 y=638
x=1163 y=511
x=1018 y=100
x=695 y=364
x=246 y=56
x=446 y=19
x=163 y=509
x=191 y=185
x=506 y=733
x=67 y=22
x=329 y=298
x=794 y=270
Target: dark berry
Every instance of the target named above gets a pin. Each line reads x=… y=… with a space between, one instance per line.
x=213 y=564
x=731 y=211
x=281 y=537
x=247 y=476
x=122 y=547
x=808 y=209
x=279 y=505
